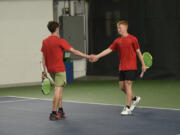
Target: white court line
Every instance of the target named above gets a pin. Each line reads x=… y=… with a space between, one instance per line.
x=15 y=101
x=70 y=101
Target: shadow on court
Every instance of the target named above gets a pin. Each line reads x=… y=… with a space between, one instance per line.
x=21 y=116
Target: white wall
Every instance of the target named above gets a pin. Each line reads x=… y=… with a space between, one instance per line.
x=79 y=67
x=22 y=28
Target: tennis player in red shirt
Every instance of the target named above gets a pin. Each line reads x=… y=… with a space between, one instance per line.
x=52 y=59
x=127 y=47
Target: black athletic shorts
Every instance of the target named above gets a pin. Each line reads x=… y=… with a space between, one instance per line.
x=128 y=75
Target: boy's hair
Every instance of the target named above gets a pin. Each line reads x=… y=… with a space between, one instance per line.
x=52 y=25
x=122 y=22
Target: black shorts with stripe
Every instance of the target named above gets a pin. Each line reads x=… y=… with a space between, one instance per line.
x=128 y=75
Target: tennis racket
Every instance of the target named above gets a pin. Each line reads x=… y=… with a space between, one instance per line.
x=46 y=83
x=147 y=57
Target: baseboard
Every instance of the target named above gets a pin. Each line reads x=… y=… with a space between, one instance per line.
x=20 y=84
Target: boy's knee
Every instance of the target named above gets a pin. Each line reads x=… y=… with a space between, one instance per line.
x=128 y=83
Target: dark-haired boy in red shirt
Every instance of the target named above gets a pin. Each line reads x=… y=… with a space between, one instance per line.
x=52 y=59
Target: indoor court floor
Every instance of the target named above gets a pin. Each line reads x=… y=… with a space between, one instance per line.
x=93 y=108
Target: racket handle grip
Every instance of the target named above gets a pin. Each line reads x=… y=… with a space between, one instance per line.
x=142 y=74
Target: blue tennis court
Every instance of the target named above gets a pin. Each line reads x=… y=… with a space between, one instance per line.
x=23 y=116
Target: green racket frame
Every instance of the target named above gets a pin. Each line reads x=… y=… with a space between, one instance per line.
x=46 y=86
x=46 y=83
x=147 y=57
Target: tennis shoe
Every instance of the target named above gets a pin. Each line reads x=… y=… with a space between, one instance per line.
x=126 y=111
x=54 y=117
x=61 y=113
x=134 y=103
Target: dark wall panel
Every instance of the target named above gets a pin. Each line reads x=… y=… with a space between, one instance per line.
x=156 y=24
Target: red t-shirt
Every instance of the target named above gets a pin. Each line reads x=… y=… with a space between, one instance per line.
x=126 y=47
x=53 y=49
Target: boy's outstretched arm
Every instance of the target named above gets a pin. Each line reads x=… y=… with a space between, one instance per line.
x=94 y=58
x=139 y=54
x=78 y=53
x=104 y=53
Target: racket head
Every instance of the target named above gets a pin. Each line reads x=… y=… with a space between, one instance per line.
x=147 y=57
x=46 y=86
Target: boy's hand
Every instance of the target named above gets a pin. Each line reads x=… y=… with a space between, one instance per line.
x=44 y=75
x=144 y=68
x=93 y=58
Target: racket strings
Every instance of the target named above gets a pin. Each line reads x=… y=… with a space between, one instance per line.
x=147 y=59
